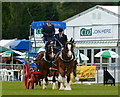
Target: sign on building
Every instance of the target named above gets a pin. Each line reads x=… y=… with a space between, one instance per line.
x=96 y=31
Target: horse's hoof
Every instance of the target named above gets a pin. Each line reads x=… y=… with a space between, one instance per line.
x=67 y=89
x=77 y=78
x=74 y=79
x=54 y=86
x=61 y=88
x=44 y=87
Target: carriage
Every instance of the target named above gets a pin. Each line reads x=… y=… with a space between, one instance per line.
x=33 y=75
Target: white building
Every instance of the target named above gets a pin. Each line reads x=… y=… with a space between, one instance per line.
x=94 y=30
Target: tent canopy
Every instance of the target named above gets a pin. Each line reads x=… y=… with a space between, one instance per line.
x=21 y=45
x=6 y=43
x=3 y=49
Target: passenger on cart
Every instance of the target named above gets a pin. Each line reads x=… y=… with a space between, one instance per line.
x=60 y=38
x=48 y=31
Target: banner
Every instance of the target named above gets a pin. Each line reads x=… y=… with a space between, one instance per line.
x=39 y=24
x=85 y=72
x=96 y=31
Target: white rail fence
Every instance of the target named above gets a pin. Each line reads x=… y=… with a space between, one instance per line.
x=17 y=75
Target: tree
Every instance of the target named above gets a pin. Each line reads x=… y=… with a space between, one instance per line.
x=7 y=16
x=18 y=16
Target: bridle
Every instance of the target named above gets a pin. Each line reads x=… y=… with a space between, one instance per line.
x=66 y=60
x=46 y=53
x=44 y=58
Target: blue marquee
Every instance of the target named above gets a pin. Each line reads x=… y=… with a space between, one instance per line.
x=39 y=24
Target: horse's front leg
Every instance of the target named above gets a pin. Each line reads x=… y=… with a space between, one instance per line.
x=45 y=83
x=68 y=83
x=45 y=80
x=62 y=80
x=54 y=81
x=75 y=77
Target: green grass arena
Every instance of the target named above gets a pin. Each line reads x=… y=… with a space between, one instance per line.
x=17 y=88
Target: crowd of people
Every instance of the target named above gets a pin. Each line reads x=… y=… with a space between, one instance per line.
x=9 y=64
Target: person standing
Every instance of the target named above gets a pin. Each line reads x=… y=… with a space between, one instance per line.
x=48 y=31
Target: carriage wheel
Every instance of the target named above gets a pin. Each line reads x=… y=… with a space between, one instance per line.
x=31 y=82
x=26 y=75
x=26 y=82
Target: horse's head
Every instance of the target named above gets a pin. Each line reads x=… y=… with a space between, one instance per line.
x=49 y=48
x=69 y=48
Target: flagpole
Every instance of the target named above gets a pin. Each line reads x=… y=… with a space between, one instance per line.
x=35 y=39
x=12 y=60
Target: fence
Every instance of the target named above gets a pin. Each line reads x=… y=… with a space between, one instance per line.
x=99 y=75
x=114 y=71
x=8 y=72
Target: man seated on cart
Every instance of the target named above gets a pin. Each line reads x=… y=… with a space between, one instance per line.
x=48 y=31
x=61 y=39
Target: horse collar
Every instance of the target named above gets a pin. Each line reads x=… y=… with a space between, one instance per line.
x=66 y=61
x=45 y=58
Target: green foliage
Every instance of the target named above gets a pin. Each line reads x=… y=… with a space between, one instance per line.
x=17 y=16
x=7 y=12
x=7 y=16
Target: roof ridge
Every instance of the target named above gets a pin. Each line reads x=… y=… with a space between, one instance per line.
x=90 y=9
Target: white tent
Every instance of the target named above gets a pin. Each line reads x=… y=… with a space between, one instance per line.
x=6 y=43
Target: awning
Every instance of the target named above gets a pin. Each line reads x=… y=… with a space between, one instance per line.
x=3 y=49
x=23 y=45
x=6 y=43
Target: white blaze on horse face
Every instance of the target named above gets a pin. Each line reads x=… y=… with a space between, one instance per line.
x=52 y=54
x=69 y=50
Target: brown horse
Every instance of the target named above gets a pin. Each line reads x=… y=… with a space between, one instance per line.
x=44 y=61
x=65 y=61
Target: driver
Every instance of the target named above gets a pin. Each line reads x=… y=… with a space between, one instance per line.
x=48 y=31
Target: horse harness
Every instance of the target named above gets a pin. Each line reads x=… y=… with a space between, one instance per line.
x=66 y=61
x=44 y=58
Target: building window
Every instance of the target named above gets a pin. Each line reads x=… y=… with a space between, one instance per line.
x=96 y=59
x=113 y=60
x=105 y=60
x=99 y=16
x=104 y=66
x=89 y=55
x=82 y=51
x=94 y=16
